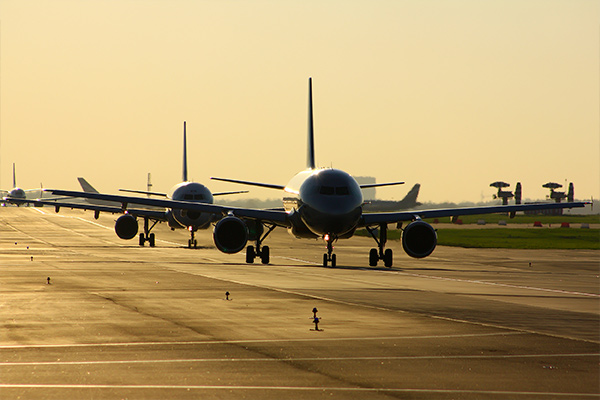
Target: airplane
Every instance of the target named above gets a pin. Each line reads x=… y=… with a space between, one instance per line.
x=409 y=201
x=17 y=195
x=318 y=203
x=126 y=226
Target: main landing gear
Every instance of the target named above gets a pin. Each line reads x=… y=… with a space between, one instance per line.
x=263 y=253
x=147 y=236
x=329 y=257
x=380 y=254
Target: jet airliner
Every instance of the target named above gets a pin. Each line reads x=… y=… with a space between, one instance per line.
x=126 y=226
x=322 y=203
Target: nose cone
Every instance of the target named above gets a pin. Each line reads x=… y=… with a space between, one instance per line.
x=331 y=202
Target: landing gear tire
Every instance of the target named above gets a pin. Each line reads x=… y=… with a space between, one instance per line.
x=325 y=260
x=152 y=240
x=388 y=258
x=250 y=254
x=333 y=261
x=264 y=255
x=373 y=257
x=142 y=239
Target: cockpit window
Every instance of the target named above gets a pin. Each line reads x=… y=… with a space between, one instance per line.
x=188 y=197
x=338 y=191
x=198 y=197
x=328 y=190
x=342 y=191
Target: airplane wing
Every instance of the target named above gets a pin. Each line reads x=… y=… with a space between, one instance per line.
x=372 y=185
x=392 y=217
x=265 y=185
x=154 y=214
x=277 y=217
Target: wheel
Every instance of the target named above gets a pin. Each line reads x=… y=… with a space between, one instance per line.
x=152 y=240
x=388 y=258
x=264 y=255
x=325 y=260
x=250 y=254
x=373 y=257
x=195 y=244
x=189 y=243
x=142 y=239
x=333 y=260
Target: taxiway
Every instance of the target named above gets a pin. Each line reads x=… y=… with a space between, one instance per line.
x=121 y=321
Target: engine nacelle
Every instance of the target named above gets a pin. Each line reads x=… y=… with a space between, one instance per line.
x=419 y=239
x=230 y=235
x=126 y=226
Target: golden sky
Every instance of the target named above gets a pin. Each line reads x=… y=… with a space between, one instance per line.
x=450 y=94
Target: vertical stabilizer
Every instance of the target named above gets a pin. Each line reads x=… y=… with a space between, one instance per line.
x=518 y=193
x=14 y=177
x=310 y=157
x=185 y=174
x=571 y=193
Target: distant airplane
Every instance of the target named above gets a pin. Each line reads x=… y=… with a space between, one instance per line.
x=126 y=226
x=318 y=203
x=16 y=194
x=409 y=201
x=560 y=196
x=505 y=195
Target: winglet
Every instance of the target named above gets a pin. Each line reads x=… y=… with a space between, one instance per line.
x=185 y=174
x=310 y=157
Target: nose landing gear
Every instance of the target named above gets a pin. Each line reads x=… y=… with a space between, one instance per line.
x=192 y=242
x=329 y=257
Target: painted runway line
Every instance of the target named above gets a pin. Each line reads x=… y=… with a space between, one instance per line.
x=302 y=359
x=251 y=341
x=299 y=388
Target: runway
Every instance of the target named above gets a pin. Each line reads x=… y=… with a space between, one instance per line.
x=122 y=321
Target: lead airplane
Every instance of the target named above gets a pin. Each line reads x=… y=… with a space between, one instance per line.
x=322 y=203
x=126 y=226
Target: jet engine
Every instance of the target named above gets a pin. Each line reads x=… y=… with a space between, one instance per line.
x=230 y=235
x=419 y=239
x=126 y=226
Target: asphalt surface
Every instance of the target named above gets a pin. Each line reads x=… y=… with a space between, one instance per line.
x=119 y=321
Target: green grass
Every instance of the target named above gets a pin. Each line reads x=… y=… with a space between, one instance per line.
x=508 y=238
x=526 y=219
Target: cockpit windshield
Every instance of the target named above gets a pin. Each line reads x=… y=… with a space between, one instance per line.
x=338 y=191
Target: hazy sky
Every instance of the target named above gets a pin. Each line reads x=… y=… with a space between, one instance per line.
x=450 y=94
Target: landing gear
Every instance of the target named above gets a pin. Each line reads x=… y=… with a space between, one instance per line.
x=192 y=242
x=263 y=252
x=329 y=257
x=147 y=236
x=380 y=253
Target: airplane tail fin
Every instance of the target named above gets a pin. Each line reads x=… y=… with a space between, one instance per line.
x=411 y=197
x=571 y=193
x=14 y=177
x=518 y=193
x=85 y=185
x=184 y=174
x=310 y=157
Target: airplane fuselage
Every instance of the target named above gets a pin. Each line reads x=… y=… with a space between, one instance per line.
x=188 y=219
x=324 y=202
